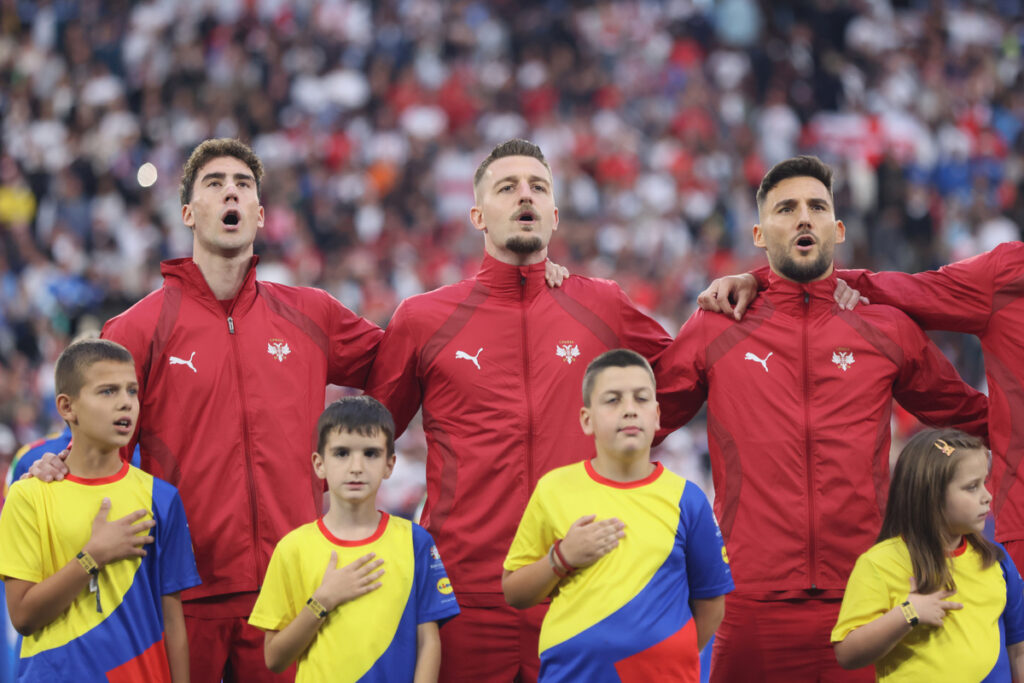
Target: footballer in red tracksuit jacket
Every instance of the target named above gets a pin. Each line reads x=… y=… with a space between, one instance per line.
x=799 y=407
x=984 y=296
x=497 y=362
x=229 y=396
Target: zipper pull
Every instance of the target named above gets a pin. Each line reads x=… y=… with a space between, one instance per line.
x=522 y=280
x=231 y=325
x=807 y=299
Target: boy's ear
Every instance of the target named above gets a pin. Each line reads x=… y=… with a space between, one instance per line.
x=392 y=459
x=586 y=422
x=318 y=465
x=66 y=408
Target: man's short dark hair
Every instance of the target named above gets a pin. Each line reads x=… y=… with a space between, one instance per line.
x=616 y=358
x=796 y=167
x=510 y=148
x=362 y=415
x=79 y=356
x=212 y=149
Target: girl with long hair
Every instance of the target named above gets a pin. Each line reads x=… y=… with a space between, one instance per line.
x=933 y=599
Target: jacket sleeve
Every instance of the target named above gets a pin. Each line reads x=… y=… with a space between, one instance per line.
x=121 y=329
x=930 y=388
x=959 y=297
x=353 y=346
x=394 y=379
x=641 y=333
x=682 y=376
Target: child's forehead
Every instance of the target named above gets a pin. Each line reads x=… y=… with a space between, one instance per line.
x=627 y=378
x=340 y=437
x=103 y=371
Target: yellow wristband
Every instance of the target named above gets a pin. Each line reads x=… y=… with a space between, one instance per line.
x=316 y=608
x=88 y=563
x=909 y=613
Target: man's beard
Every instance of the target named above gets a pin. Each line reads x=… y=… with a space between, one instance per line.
x=805 y=271
x=523 y=244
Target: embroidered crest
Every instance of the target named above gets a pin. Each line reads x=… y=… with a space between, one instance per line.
x=278 y=348
x=843 y=358
x=567 y=351
x=433 y=552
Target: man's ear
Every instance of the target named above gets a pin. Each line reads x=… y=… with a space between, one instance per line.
x=476 y=217
x=758 y=235
x=840 y=232
x=187 y=217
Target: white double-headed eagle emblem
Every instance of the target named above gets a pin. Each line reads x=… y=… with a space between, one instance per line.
x=278 y=349
x=843 y=358
x=568 y=352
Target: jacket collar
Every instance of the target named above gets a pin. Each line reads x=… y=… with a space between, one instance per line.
x=187 y=275
x=791 y=297
x=513 y=282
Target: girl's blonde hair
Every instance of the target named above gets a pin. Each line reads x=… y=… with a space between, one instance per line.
x=916 y=510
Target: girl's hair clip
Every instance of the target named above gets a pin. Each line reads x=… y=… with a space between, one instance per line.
x=946 y=449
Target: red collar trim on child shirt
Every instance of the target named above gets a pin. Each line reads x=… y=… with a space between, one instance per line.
x=960 y=549
x=351 y=544
x=658 y=469
x=97 y=481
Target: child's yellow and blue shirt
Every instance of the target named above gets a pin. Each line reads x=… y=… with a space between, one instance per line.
x=115 y=632
x=627 y=616
x=371 y=638
x=971 y=643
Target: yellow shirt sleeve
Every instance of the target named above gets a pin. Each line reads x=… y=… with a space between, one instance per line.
x=20 y=536
x=282 y=595
x=866 y=598
x=535 y=534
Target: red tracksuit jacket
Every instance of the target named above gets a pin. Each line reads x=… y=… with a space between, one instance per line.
x=799 y=406
x=229 y=400
x=497 y=362
x=983 y=296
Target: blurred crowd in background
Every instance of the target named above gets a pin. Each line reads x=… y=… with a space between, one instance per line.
x=658 y=119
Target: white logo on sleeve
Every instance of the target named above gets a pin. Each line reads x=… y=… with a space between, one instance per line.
x=843 y=358
x=567 y=351
x=178 y=361
x=763 y=362
x=278 y=348
x=462 y=355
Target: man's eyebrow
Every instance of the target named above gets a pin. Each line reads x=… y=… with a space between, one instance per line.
x=220 y=175
x=788 y=202
x=513 y=178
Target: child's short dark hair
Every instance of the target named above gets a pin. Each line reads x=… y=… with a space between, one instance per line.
x=616 y=358
x=795 y=167
x=69 y=373
x=515 y=147
x=359 y=414
x=212 y=149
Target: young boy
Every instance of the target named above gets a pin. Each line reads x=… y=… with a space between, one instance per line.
x=628 y=551
x=386 y=571
x=96 y=593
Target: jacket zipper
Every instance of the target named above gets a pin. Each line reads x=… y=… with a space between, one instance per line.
x=812 y=569
x=247 y=449
x=526 y=385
